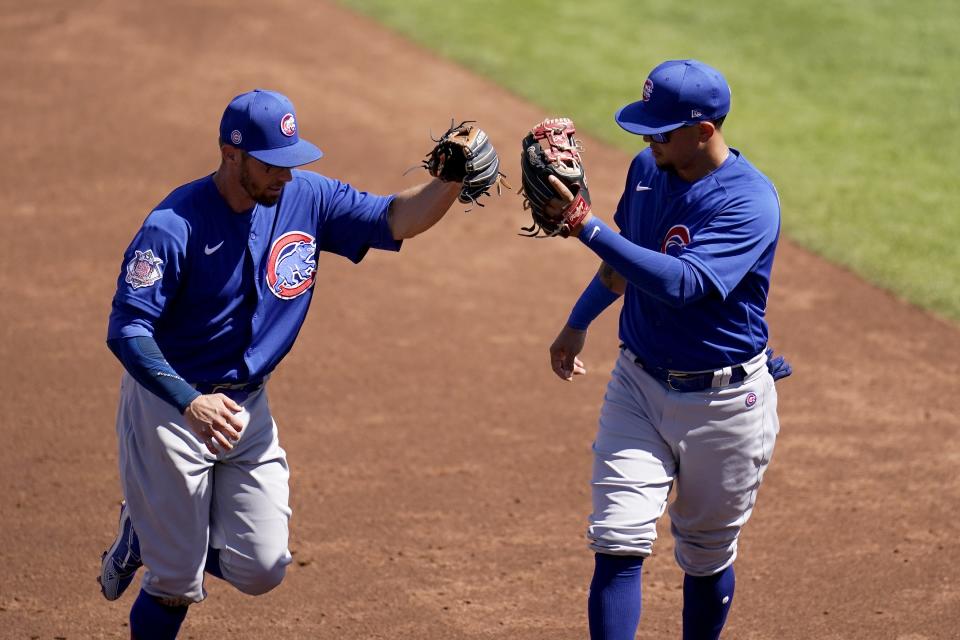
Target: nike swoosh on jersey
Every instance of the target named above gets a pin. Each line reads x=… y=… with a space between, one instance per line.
x=640 y=187
x=207 y=249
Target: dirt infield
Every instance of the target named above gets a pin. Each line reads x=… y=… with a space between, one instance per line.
x=439 y=469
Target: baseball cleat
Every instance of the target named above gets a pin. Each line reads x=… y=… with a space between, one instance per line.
x=121 y=561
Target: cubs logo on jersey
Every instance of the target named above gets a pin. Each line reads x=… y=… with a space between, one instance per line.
x=144 y=269
x=292 y=265
x=676 y=239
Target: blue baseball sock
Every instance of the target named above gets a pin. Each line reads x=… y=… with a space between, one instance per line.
x=150 y=620
x=613 y=607
x=706 y=601
x=213 y=563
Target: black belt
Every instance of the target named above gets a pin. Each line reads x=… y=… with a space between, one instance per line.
x=686 y=381
x=238 y=391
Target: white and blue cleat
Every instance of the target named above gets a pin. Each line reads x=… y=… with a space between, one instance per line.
x=121 y=561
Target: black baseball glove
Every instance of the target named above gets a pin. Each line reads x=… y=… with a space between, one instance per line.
x=465 y=154
x=551 y=150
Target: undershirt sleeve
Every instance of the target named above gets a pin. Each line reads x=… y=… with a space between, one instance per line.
x=671 y=280
x=142 y=358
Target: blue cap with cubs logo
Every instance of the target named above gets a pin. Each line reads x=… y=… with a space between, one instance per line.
x=676 y=93
x=264 y=124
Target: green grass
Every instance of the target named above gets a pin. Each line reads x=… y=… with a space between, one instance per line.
x=852 y=108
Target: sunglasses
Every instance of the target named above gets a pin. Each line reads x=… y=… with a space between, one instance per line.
x=663 y=138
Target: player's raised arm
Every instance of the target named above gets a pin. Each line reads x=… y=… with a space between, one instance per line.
x=418 y=208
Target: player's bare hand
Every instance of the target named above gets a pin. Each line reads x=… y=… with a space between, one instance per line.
x=555 y=207
x=213 y=419
x=564 y=352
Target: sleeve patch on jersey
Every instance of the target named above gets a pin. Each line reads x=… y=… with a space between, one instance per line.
x=144 y=269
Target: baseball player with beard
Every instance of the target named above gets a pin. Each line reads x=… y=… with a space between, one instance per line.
x=212 y=292
x=691 y=405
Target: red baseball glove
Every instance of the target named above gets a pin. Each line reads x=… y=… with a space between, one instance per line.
x=551 y=150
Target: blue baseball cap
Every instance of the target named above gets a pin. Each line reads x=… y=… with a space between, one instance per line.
x=676 y=93
x=264 y=124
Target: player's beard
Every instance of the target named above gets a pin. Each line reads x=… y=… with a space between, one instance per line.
x=665 y=165
x=258 y=195
x=662 y=163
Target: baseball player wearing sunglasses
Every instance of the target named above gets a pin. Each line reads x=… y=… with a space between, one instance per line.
x=691 y=406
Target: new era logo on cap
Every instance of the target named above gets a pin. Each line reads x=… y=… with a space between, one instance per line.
x=264 y=124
